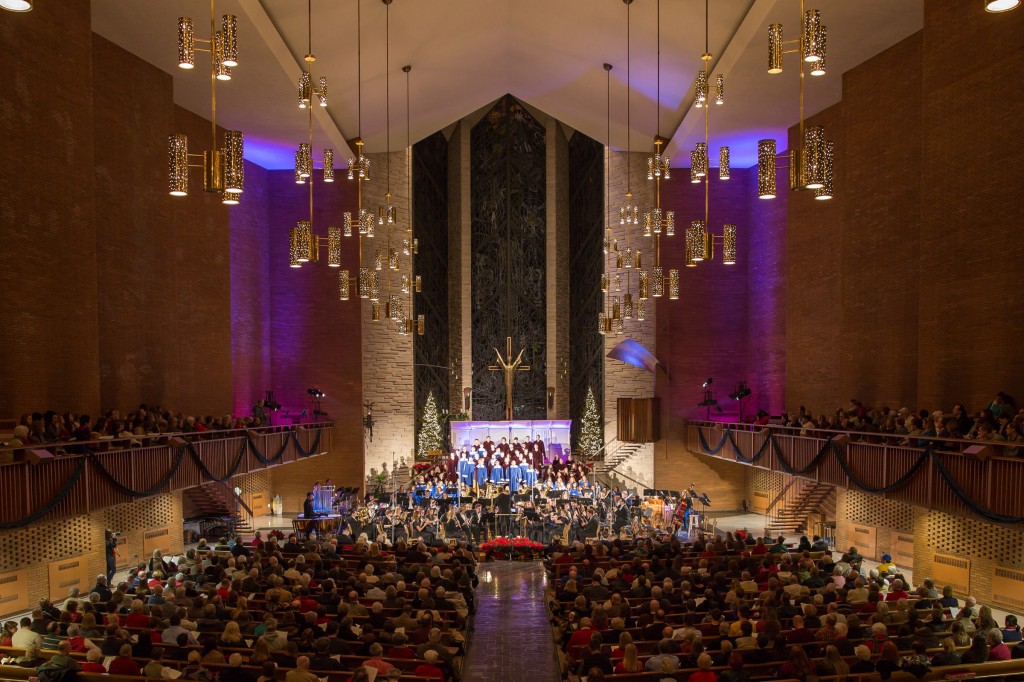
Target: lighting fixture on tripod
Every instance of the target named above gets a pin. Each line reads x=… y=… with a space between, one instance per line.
x=224 y=166
x=810 y=164
x=303 y=243
x=742 y=391
x=658 y=222
x=700 y=243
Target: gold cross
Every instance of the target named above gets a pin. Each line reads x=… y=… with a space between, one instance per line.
x=509 y=369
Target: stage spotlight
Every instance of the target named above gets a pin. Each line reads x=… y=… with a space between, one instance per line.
x=707 y=382
x=269 y=402
x=741 y=392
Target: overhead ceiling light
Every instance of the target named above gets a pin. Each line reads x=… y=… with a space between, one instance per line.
x=16 y=5
x=990 y=5
x=223 y=167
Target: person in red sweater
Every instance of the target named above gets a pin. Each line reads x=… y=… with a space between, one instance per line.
x=92 y=662
x=580 y=638
x=704 y=672
x=123 y=663
x=998 y=651
x=136 y=619
x=429 y=668
x=897 y=592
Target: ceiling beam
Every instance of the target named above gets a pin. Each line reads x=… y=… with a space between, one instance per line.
x=277 y=45
x=692 y=120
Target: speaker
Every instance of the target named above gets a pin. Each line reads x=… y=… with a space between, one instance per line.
x=37 y=456
x=176 y=442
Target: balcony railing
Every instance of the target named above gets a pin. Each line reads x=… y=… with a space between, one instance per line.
x=951 y=475
x=106 y=474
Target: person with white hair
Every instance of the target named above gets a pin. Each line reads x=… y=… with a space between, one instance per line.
x=998 y=650
x=429 y=668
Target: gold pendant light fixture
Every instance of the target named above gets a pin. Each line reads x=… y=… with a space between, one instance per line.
x=700 y=243
x=303 y=243
x=620 y=306
x=367 y=285
x=397 y=298
x=609 y=320
x=810 y=165
x=658 y=222
x=629 y=214
x=412 y=283
x=223 y=166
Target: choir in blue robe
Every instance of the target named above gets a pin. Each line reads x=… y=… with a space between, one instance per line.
x=515 y=476
x=497 y=473
x=465 y=470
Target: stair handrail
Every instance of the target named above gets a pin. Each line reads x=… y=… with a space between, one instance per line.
x=608 y=472
x=237 y=497
x=778 y=498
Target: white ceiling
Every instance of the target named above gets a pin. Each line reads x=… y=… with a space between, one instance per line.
x=467 y=53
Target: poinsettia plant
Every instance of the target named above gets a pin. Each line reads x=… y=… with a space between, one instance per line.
x=523 y=547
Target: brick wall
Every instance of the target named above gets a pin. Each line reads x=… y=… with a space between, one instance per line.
x=895 y=287
x=622 y=380
x=315 y=338
x=705 y=333
x=250 y=306
x=766 y=257
x=49 y=355
x=386 y=355
x=971 y=322
x=814 y=280
x=879 y=238
x=162 y=262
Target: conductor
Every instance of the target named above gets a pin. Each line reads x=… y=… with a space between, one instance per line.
x=503 y=509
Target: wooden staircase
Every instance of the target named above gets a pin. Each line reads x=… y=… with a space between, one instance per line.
x=612 y=456
x=797 y=504
x=217 y=504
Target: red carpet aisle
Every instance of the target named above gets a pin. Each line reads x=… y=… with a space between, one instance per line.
x=511 y=638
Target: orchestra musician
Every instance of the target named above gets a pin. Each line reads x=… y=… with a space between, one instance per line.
x=503 y=510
